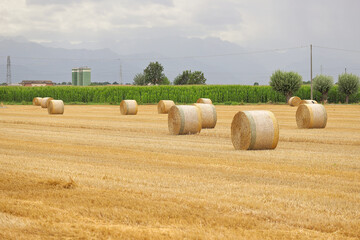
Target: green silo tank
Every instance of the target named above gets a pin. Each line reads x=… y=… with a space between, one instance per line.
x=74 y=76
x=86 y=76
x=79 y=77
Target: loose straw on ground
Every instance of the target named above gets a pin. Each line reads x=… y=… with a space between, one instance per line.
x=251 y=130
x=204 y=100
x=311 y=116
x=294 y=101
x=164 y=106
x=208 y=115
x=184 y=119
x=37 y=101
x=128 y=107
x=56 y=107
x=45 y=102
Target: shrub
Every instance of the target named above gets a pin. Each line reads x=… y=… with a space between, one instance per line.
x=188 y=77
x=348 y=85
x=139 y=79
x=286 y=83
x=323 y=84
x=154 y=74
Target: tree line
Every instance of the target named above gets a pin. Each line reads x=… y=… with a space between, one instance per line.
x=153 y=75
x=287 y=83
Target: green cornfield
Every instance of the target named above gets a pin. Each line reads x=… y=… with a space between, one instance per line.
x=227 y=94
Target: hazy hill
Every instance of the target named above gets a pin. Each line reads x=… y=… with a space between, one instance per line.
x=222 y=62
x=30 y=61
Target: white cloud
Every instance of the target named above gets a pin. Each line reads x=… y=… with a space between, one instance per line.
x=69 y=2
x=286 y=23
x=253 y=23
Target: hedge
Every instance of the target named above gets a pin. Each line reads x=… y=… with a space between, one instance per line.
x=153 y=94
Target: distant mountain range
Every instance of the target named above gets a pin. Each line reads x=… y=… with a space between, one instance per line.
x=222 y=62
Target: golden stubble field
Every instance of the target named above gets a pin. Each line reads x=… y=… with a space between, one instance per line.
x=93 y=173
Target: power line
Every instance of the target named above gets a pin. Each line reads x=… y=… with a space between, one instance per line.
x=75 y=59
x=176 y=57
x=190 y=56
x=339 y=49
x=220 y=55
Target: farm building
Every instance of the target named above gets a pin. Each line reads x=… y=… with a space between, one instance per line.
x=36 y=83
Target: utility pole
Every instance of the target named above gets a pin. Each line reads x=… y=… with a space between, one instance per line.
x=345 y=70
x=311 y=78
x=8 y=71
x=121 y=79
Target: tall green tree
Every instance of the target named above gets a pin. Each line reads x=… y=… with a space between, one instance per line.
x=197 y=77
x=188 y=77
x=166 y=81
x=286 y=83
x=154 y=74
x=323 y=84
x=348 y=85
x=139 y=79
x=183 y=78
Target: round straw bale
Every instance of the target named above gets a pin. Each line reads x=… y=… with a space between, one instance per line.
x=204 y=100
x=45 y=102
x=128 y=107
x=37 y=101
x=56 y=107
x=165 y=105
x=311 y=116
x=308 y=102
x=208 y=115
x=294 y=101
x=184 y=119
x=251 y=130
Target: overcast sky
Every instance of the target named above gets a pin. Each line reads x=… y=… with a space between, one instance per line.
x=258 y=24
x=179 y=28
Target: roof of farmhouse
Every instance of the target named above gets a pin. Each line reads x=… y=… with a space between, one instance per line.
x=36 y=82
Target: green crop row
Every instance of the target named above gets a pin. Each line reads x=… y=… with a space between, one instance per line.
x=153 y=94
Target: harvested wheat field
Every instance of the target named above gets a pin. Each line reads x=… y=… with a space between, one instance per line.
x=94 y=173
